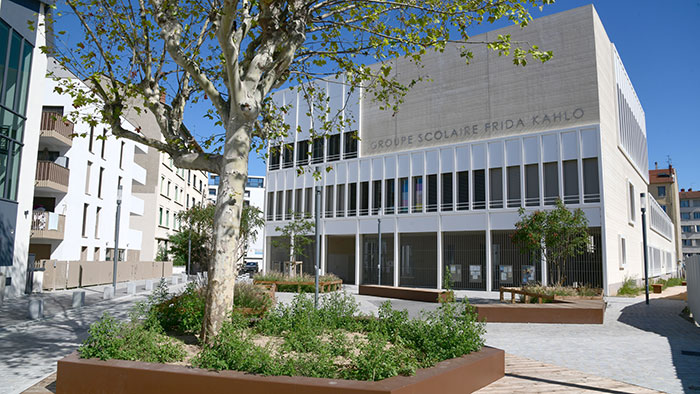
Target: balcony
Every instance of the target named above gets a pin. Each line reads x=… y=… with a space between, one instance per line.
x=51 y=177
x=55 y=131
x=47 y=226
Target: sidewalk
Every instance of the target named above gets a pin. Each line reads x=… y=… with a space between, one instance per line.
x=29 y=349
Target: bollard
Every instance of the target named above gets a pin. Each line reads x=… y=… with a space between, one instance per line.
x=78 y=299
x=2 y=288
x=149 y=285
x=184 y=278
x=36 y=308
x=131 y=288
x=108 y=293
x=174 y=280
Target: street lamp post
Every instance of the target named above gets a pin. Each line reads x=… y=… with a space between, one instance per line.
x=116 y=238
x=317 y=208
x=189 y=246
x=379 y=251
x=646 y=250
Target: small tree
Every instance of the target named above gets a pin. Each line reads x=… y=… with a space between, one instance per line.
x=296 y=236
x=557 y=234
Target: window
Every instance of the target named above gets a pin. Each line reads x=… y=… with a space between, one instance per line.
x=570 y=168
x=104 y=141
x=121 y=155
x=661 y=191
x=85 y=212
x=496 y=188
x=274 y=160
x=417 y=194
x=350 y=145
x=462 y=190
x=99 y=182
x=390 y=194
x=317 y=147
x=167 y=218
x=302 y=153
x=212 y=192
x=685 y=203
x=632 y=213
x=623 y=252
x=352 y=199
x=687 y=242
x=340 y=201
x=685 y=215
x=532 y=185
x=288 y=156
x=251 y=182
x=696 y=215
x=97 y=222
x=167 y=191
x=432 y=203
x=91 y=138
x=591 y=186
x=308 y=201
x=697 y=229
x=279 y=207
x=270 y=205
x=334 y=147
x=200 y=186
x=513 y=183
x=403 y=195
x=175 y=193
x=329 y=201
x=162 y=184
x=364 y=198
x=479 y=189
x=663 y=207
x=446 y=192
x=288 y=205
x=376 y=197
x=551 y=183
x=696 y=203
x=87 y=178
x=687 y=229
x=187 y=201
x=297 y=203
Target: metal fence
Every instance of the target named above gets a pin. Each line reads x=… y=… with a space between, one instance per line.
x=692 y=272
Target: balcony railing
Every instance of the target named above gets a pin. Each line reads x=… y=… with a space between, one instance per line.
x=53 y=126
x=47 y=225
x=50 y=175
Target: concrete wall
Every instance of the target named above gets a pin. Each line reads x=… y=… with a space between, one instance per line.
x=68 y=274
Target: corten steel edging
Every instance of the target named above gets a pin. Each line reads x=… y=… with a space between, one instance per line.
x=404 y=293
x=82 y=376
x=588 y=312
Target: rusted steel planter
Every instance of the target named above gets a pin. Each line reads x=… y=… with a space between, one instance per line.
x=82 y=376
x=558 y=312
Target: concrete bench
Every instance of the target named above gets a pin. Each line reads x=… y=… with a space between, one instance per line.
x=78 y=299
x=403 y=293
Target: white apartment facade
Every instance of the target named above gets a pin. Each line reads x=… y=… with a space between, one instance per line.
x=75 y=198
x=448 y=173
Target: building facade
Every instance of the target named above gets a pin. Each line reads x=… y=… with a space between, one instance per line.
x=690 y=221
x=663 y=186
x=77 y=182
x=254 y=196
x=447 y=174
x=22 y=71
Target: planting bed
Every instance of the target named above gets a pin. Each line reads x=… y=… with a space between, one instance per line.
x=558 y=312
x=403 y=293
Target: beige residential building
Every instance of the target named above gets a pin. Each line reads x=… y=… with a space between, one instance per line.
x=167 y=191
x=663 y=186
x=690 y=221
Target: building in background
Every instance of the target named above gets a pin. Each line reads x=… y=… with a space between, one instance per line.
x=690 y=221
x=255 y=196
x=75 y=196
x=22 y=70
x=447 y=174
x=167 y=191
x=663 y=186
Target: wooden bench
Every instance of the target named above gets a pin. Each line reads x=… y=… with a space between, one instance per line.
x=528 y=295
x=323 y=286
x=403 y=293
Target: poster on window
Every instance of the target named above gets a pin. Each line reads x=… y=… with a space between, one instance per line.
x=474 y=274
x=528 y=274
x=456 y=272
x=506 y=273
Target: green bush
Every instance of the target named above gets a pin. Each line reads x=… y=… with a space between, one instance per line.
x=181 y=313
x=293 y=288
x=110 y=339
x=248 y=295
x=674 y=282
x=629 y=288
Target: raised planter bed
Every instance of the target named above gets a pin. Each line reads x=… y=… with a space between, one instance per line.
x=559 y=312
x=82 y=376
x=403 y=293
x=323 y=286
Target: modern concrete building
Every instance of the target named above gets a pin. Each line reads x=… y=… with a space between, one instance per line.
x=167 y=190
x=22 y=70
x=663 y=186
x=690 y=221
x=255 y=196
x=77 y=181
x=447 y=174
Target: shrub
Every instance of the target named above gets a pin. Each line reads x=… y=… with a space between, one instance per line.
x=629 y=288
x=110 y=339
x=182 y=313
x=309 y=280
x=247 y=295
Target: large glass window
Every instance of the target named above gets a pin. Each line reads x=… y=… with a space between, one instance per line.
x=417 y=257
x=417 y=194
x=432 y=203
x=661 y=191
x=279 y=207
x=462 y=190
x=329 y=201
x=288 y=156
x=317 y=154
x=403 y=195
x=334 y=147
x=551 y=183
x=364 y=198
x=350 y=145
x=376 y=197
x=308 y=201
x=297 y=203
x=274 y=158
x=496 y=188
x=340 y=201
x=302 y=153
x=288 y=205
x=570 y=168
x=270 y=206
x=390 y=195
x=479 y=189
x=446 y=192
x=352 y=199
x=513 y=183
x=591 y=186
x=532 y=185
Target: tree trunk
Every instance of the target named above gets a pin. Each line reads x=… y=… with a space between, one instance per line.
x=227 y=221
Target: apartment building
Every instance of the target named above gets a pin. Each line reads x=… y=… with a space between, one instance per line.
x=690 y=221
x=255 y=196
x=447 y=174
x=663 y=186
x=167 y=191
x=22 y=68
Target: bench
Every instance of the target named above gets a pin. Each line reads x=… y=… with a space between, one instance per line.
x=323 y=286
x=403 y=293
x=528 y=295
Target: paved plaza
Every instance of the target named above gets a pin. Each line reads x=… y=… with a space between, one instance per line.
x=652 y=347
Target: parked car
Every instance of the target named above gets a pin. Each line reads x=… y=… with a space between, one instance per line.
x=250 y=267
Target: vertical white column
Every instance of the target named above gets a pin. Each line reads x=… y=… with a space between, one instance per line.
x=396 y=256
x=358 y=255
x=489 y=260
x=440 y=264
